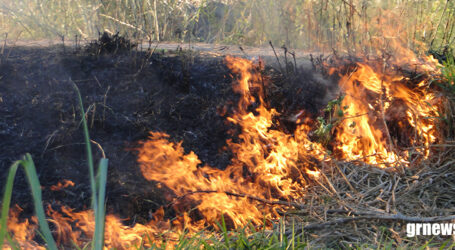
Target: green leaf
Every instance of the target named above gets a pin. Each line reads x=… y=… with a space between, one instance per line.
x=32 y=177
x=100 y=213
x=7 y=201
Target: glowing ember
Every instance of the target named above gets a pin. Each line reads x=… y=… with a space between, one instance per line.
x=61 y=185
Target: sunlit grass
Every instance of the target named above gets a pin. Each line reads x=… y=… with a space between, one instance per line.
x=313 y=25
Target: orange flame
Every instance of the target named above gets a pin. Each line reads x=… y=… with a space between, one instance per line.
x=23 y=232
x=78 y=227
x=268 y=166
x=267 y=163
x=377 y=92
x=371 y=99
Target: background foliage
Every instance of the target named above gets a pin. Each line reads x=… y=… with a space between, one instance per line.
x=307 y=24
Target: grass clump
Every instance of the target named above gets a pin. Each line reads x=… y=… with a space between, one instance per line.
x=32 y=177
x=97 y=183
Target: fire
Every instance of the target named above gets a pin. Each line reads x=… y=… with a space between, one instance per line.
x=166 y=162
x=371 y=100
x=78 y=228
x=22 y=232
x=268 y=165
x=383 y=114
x=384 y=110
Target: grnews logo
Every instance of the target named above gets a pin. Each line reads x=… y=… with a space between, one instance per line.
x=429 y=229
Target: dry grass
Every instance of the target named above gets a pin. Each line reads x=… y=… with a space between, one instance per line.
x=312 y=25
x=352 y=203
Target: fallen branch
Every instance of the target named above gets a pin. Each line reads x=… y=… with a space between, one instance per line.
x=268 y=202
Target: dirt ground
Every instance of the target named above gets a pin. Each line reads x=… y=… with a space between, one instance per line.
x=126 y=95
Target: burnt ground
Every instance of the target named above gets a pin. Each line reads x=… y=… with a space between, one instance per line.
x=126 y=94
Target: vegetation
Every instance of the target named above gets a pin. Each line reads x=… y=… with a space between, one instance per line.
x=448 y=73
x=98 y=186
x=313 y=25
x=278 y=239
x=447 y=82
x=35 y=187
x=324 y=130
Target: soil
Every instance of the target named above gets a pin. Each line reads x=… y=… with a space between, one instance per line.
x=126 y=94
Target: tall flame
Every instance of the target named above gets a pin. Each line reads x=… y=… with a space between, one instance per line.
x=267 y=163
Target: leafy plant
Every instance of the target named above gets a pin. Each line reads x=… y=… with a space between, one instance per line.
x=335 y=114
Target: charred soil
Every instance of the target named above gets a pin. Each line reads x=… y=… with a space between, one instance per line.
x=127 y=94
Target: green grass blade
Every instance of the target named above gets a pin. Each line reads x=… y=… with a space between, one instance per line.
x=98 y=185
x=7 y=201
x=225 y=232
x=88 y=149
x=98 y=196
x=37 y=200
x=100 y=214
x=35 y=187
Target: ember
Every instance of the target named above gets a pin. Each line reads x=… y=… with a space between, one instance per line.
x=60 y=185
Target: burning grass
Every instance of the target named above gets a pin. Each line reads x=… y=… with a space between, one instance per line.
x=376 y=153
